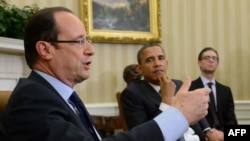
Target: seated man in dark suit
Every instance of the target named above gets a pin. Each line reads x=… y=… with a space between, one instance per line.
x=141 y=100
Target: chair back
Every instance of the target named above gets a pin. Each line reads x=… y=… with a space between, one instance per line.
x=4 y=98
x=121 y=115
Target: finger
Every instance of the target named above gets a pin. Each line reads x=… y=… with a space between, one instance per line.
x=167 y=77
x=159 y=78
x=186 y=84
x=207 y=91
x=162 y=78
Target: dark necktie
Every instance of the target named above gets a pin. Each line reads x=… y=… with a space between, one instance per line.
x=212 y=106
x=211 y=95
x=81 y=110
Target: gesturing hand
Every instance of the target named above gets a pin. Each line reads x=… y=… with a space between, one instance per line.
x=192 y=104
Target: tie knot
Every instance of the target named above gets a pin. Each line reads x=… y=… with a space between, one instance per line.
x=74 y=97
x=210 y=84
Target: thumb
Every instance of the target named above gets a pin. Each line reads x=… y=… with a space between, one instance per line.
x=186 y=84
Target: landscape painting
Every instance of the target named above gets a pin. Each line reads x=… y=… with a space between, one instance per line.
x=121 y=21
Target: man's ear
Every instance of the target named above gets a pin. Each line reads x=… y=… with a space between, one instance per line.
x=44 y=49
x=167 y=63
x=199 y=63
x=138 y=69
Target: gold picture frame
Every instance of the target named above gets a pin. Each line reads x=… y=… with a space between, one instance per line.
x=100 y=30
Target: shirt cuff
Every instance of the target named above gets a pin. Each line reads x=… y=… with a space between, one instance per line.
x=172 y=124
x=163 y=106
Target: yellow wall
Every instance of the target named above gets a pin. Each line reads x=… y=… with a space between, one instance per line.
x=187 y=27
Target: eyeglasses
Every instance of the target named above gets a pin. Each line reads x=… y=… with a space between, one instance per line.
x=81 y=42
x=212 y=58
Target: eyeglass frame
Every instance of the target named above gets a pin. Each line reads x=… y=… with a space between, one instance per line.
x=81 y=42
x=213 y=58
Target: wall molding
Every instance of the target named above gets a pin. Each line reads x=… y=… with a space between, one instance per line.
x=242 y=110
x=11 y=45
x=103 y=108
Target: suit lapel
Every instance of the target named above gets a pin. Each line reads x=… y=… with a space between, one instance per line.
x=219 y=98
x=196 y=84
x=151 y=94
x=37 y=78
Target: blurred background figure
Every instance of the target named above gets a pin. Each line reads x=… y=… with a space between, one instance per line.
x=130 y=74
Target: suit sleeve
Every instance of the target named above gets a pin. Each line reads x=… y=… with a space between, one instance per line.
x=149 y=131
x=37 y=114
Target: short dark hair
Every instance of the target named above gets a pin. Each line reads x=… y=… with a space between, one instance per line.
x=41 y=27
x=140 y=52
x=207 y=49
x=130 y=74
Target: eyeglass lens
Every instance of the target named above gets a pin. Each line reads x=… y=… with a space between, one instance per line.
x=214 y=58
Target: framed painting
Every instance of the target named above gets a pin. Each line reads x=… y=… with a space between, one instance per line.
x=121 y=21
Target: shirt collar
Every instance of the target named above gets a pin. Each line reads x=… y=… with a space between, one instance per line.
x=205 y=80
x=64 y=90
x=156 y=87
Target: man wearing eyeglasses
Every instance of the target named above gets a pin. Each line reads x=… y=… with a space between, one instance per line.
x=45 y=107
x=221 y=106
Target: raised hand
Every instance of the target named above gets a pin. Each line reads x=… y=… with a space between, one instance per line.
x=167 y=89
x=192 y=104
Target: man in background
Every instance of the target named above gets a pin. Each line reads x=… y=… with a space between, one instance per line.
x=221 y=107
x=130 y=74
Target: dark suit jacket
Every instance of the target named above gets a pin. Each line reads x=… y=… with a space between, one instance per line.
x=140 y=102
x=36 y=112
x=225 y=104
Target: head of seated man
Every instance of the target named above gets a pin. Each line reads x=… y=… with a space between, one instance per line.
x=130 y=74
